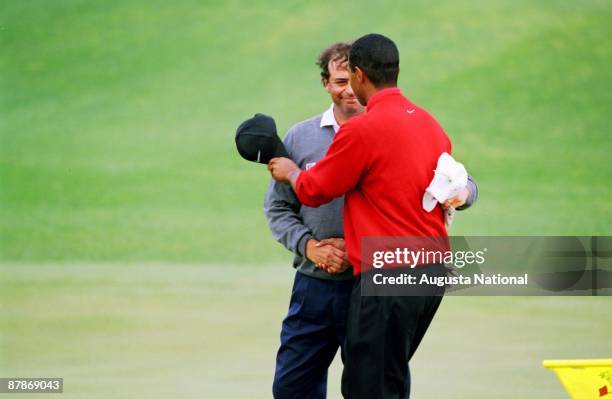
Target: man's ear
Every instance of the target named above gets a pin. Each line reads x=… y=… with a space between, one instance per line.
x=326 y=84
x=360 y=75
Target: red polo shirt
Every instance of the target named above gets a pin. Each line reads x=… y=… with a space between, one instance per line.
x=382 y=160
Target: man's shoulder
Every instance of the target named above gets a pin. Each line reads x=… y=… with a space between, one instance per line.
x=304 y=130
x=306 y=125
x=355 y=123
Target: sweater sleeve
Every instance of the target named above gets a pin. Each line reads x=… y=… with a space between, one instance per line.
x=338 y=172
x=473 y=189
x=282 y=211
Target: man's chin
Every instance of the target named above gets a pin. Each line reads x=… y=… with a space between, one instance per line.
x=352 y=108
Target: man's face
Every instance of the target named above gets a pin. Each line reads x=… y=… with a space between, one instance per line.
x=339 y=88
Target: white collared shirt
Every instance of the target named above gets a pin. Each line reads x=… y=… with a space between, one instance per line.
x=328 y=119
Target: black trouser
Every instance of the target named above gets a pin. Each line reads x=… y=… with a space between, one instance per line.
x=383 y=332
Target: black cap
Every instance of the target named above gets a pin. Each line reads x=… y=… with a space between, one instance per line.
x=257 y=140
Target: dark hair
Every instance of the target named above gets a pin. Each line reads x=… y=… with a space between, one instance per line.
x=377 y=56
x=338 y=52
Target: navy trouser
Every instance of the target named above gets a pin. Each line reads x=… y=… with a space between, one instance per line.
x=311 y=334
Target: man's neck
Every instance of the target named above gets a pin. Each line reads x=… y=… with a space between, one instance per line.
x=370 y=91
x=340 y=116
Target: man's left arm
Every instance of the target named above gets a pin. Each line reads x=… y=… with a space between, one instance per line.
x=472 y=195
x=466 y=197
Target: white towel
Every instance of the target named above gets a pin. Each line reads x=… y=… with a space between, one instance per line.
x=449 y=178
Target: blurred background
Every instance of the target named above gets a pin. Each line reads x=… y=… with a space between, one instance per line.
x=135 y=258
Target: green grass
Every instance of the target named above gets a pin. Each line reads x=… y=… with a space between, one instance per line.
x=117 y=119
x=135 y=259
x=165 y=330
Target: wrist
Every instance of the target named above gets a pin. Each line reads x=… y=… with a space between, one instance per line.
x=301 y=244
x=293 y=176
x=309 y=247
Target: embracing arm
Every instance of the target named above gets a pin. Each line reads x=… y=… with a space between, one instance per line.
x=337 y=173
x=472 y=188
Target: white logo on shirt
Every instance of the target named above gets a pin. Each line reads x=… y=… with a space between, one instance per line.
x=410 y=111
x=310 y=165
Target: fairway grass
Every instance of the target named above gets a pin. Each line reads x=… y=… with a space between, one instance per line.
x=117 y=120
x=212 y=330
x=135 y=258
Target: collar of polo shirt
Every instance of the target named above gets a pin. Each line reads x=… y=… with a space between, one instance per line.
x=328 y=119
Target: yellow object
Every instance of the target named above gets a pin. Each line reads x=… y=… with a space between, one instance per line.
x=584 y=379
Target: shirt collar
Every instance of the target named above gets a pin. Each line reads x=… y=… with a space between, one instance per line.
x=382 y=94
x=328 y=119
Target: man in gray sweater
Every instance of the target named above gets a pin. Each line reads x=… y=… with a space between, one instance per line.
x=315 y=326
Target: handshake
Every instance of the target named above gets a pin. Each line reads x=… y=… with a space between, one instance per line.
x=328 y=254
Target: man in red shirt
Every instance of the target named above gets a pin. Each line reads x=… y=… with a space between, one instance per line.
x=382 y=161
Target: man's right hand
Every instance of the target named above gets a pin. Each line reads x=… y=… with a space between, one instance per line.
x=327 y=255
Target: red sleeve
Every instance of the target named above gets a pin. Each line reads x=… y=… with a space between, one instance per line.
x=338 y=172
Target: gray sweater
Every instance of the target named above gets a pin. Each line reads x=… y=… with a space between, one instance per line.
x=291 y=223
